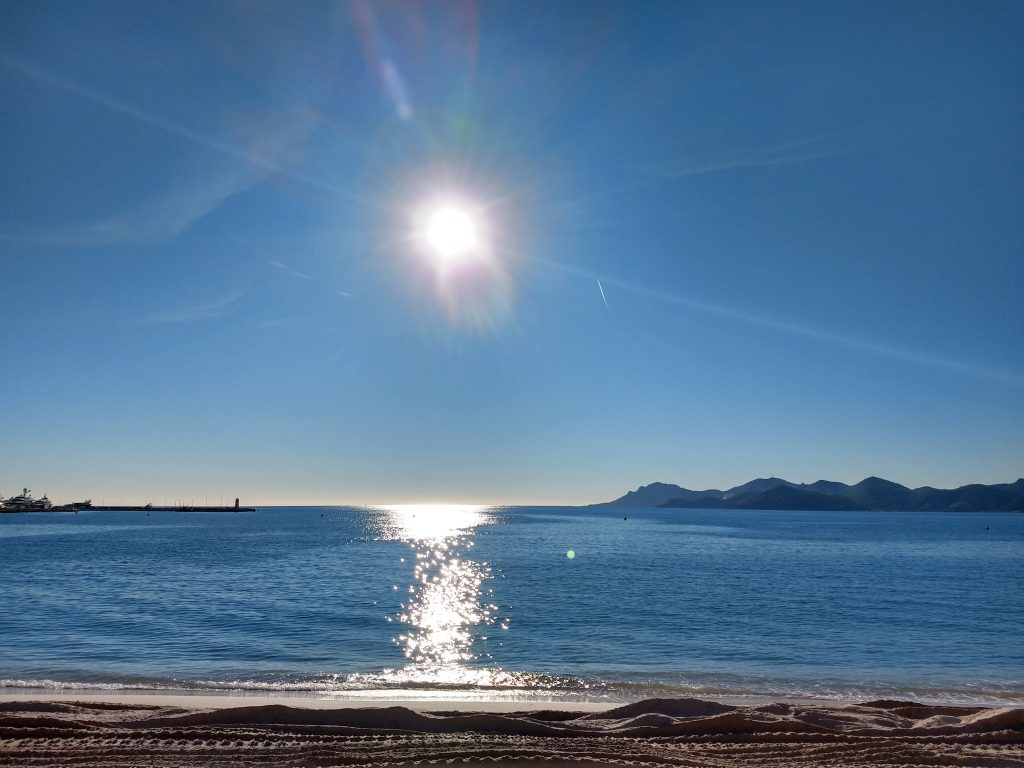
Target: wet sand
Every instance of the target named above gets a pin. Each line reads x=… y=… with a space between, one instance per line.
x=178 y=731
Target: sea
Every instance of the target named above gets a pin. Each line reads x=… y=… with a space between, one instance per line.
x=516 y=603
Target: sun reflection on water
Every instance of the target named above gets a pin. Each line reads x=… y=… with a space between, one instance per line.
x=447 y=610
x=433 y=522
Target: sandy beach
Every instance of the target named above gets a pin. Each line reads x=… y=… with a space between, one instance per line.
x=181 y=730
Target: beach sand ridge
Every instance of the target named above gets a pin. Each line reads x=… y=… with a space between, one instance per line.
x=655 y=732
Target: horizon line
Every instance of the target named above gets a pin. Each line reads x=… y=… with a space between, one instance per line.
x=179 y=501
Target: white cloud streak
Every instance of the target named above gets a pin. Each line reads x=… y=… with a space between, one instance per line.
x=874 y=348
x=288 y=270
x=167 y=217
x=800 y=151
x=177 y=210
x=196 y=312
x=267 y=163
x=651 y=174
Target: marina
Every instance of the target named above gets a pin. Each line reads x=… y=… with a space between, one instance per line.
x=24 y=502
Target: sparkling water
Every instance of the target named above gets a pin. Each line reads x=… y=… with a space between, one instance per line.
x=514 y=602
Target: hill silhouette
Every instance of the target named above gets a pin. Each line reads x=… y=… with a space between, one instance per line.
x=871 y=493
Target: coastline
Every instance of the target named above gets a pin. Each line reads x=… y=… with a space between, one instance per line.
x=492 y=700
x=415 y=700
x=433 y=699
x=217 y=639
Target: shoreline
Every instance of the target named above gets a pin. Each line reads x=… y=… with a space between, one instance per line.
x=416 y=700
x=491 y=700
x=419 y=700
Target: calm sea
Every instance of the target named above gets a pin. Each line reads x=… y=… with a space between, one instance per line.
x=509 y=602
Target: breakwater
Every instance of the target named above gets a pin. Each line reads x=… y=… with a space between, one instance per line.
x=129 y=508
x=136 y=508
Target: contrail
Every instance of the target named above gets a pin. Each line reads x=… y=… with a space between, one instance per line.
x=267 y=164
x=603 y=297
x=793 y=329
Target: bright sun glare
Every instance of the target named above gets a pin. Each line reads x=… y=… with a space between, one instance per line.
x=452 y=232
x=456 y=251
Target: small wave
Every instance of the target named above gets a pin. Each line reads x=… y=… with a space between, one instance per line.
x=71 y=685
x=497 y=683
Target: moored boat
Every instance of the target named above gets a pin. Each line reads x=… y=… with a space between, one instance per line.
x=25 y=503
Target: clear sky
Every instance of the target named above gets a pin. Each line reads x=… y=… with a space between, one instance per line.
x=706 y=242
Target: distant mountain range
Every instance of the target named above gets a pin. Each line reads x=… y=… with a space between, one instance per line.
x=872 y=493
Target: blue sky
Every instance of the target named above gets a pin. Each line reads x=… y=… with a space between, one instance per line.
x=716 y=241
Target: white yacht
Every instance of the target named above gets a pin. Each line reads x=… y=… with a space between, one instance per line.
x=25 y=503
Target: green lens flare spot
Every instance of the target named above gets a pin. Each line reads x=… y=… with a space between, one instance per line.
x=570 y=554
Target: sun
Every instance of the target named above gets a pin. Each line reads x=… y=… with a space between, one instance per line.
x=452 y=232
x=457 y=256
